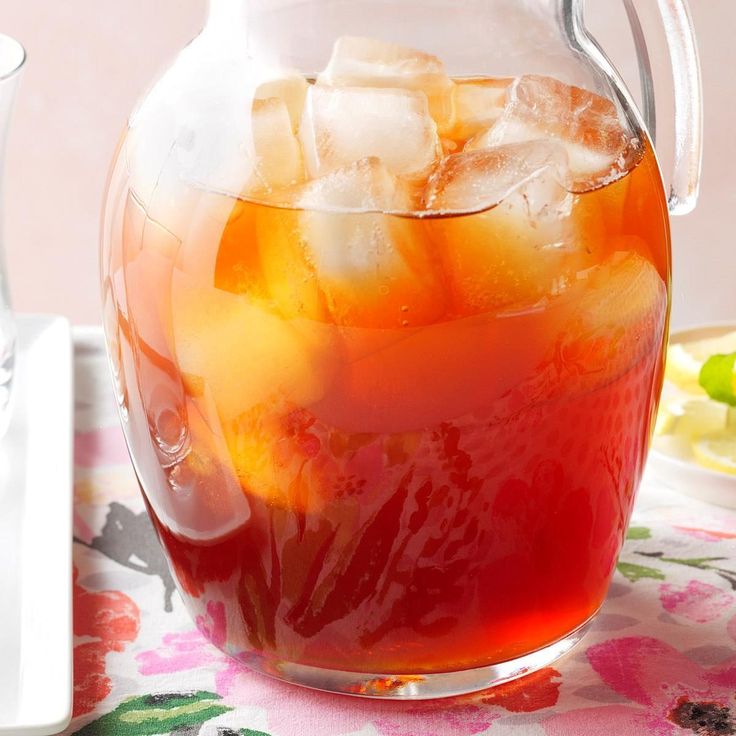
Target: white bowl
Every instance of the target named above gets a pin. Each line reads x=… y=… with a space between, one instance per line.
x=683 y=474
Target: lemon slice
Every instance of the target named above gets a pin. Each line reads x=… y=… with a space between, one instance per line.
x=674 y=447
x=670 y=407
x=717 y=452
x=685 y=360
x=698 y=417
x=683 y=369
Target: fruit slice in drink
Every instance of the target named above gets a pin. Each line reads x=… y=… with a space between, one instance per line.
x=291 y=88
x=242 y=353
x=619 y=317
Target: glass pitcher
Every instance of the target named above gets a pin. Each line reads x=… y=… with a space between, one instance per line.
x=386 y=290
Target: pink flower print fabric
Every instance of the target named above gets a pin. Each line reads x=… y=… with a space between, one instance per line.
x=660 y=660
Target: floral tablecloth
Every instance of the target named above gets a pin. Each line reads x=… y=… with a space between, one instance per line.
x=661 y=659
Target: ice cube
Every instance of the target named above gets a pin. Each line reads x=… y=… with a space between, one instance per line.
x=518 y=244
x=291 y=87
x=278 y=161
x=366 y=185
x=372 y=269
x=475 y=180
x=352 y=245
x=343 y=125
x=478 y=105
x=588 y=125
x=366 y=62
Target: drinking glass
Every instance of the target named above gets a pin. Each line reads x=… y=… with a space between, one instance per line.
x=12 y=57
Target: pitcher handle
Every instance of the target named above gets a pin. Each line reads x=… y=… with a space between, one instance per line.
x=670 y=18
x=677 y=24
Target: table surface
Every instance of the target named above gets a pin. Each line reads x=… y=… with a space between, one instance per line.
x=660 y=660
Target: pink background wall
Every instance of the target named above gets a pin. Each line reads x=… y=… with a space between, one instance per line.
x=90 y=60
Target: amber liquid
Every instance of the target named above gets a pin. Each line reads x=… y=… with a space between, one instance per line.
x=419 y=476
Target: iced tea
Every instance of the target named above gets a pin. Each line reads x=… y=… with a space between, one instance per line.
x=389 y=380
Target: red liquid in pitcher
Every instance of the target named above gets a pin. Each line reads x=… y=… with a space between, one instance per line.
x=387 y=427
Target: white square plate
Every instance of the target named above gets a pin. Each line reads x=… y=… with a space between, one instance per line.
x=36 y=534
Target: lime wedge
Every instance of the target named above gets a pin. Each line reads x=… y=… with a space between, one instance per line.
x=686 y=360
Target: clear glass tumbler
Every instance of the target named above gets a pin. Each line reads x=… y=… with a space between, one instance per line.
x=12 y=58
